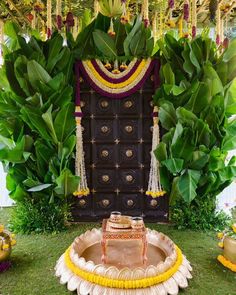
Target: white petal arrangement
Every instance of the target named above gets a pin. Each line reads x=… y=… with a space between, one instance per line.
x=87 y=277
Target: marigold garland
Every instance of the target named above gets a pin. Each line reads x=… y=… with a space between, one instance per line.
x=104 y=85
x=139 y=70
x=124 y=284
x=225 y=262
x=105 y=69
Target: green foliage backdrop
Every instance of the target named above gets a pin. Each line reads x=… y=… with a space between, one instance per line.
x=197 y=99
x=37 y=126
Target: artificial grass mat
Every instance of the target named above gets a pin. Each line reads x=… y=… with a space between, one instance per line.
x=34 y=257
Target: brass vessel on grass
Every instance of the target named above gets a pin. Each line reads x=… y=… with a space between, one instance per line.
x=5 y=240
x=230 y=249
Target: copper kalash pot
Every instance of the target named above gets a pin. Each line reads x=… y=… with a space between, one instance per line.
x=230 y=249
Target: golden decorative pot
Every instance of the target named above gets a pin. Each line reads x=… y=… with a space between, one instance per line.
x=230 y=249
x=5 y=253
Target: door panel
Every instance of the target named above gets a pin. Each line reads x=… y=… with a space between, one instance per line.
x=117 y=143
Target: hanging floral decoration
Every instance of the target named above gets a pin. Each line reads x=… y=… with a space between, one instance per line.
x=69 y=22
x=194 y=18
x=145 y=10
x=49 y=18
x=124 y=17
x=186 y=10
x=58 y=15
x=118 y=83
x=154 y=184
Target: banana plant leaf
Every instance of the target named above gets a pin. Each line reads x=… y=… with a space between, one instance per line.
x=138 y=43
x=64 y=97
x=64 y=123
x=184 y=145
x=57 y=82
x=187 y=184
x=174 y=165
x=16 y=154
x=39 y=188
x=230 y=51
x=47 y=117
x=19 y=194
x=199 y=160
x=199 y=99
x=67 y=183
x=230 y=99
x=37 y=73
x=33 y=118
x=43 y=154
x=20 y=68
x=212 y=79
x=178 y=132
x=216 y=160
x=168 y=74
x=167 y=115
x=161 y=152
x=105 y=44
x=84 y=42
x=10 y=73
x=229 y=141
x=120 y=36
x=175 y=193
x=102 y=22
x=136 y=27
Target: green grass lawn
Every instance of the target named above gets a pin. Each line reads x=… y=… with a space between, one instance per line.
x=34 y=258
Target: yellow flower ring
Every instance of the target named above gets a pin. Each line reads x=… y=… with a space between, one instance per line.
x=124 y=284
x=121 y=85
x=226 y=263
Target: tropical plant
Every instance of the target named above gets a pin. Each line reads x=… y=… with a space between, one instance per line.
x=129 y=40
x=196 y=99
x=110 y=8
x=37 y=137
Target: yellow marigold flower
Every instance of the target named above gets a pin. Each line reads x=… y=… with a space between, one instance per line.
x=1 y=228
x=234 y=227
x=5 y=247
x=108 y=66
x=13 y=242
x=116 y=71
x=221 y=244
x=170 y=23
x=220 y=236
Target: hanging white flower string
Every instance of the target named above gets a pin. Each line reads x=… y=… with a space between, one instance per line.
x=49 y=18
x=154 y=183
x=82 y=189
x=145 y=12
x=96 y=8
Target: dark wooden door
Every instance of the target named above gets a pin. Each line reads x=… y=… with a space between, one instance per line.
x=117 y=143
